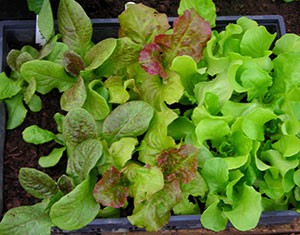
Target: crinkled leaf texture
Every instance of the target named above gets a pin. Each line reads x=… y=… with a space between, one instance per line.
x=26 y=220
x=128 y=120
x=37 y=183
x=121 y=151
x=74 y=25
x=48 y=75
x=74 y=97
x=190 y=35
x=141 y=188
x=110 y=189
x=84 y=159
x=77 y=208
x=142 y=23
x=155 y=212
x=73 y=63
x=78 y=126
x=179 y=162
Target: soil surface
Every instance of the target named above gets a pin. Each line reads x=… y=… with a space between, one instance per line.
x=20 y=154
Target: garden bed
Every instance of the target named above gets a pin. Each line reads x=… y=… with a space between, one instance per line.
x=19 y=154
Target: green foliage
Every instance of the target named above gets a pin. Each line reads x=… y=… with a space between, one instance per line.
x=176 y=119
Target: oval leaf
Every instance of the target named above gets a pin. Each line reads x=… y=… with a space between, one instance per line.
x=79 y=126
x=36 y=135
x=84 y=159
x=128 y=120
x=74 y=25
x=37 y=183
x=99 y=53
x=74 y=97
x=48 y=75
x=76 y=209
x=26 y=220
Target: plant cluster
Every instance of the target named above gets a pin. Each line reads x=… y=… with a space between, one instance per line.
x=175 y=118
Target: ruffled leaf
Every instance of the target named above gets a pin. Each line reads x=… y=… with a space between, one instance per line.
x=181 y=162
x=142 y=23
x=110 y=190
x=155 y=212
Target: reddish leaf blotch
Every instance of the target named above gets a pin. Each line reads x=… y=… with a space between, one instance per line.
x=109 y=190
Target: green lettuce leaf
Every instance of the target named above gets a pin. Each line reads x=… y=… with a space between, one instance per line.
x=213 y=217
x=78 y=126
x=69 y=212
x=204 y=8
x=36 y=135
x=286 y=74
x=186 y=67
x=155 y=212
x=216 y=174
x=96 y=100
x=16 y=111
x=122 y=150
x=156 y=139
x=246 y=209
x=289 y=42
x=37 y=183
x=48 y=75
x=74 y=97
x=128 y=120
x=142 y=23
x=74 y=25
x=26 y=220
x=52 y=158
x=156 y=92
x=46 y=21
x=9 y=87
x=140 y=187
x=84 y=159
x=100 y=52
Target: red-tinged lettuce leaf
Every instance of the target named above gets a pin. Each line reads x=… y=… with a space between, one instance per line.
x=110 y=190
x=190 y=35
x=151 y=60
x=73 y=63
x=155 y=212
x=142 y=23
x=181 y=163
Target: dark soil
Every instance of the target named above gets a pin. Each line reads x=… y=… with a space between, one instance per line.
x=20 y=154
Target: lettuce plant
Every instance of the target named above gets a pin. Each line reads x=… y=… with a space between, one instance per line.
x=163 y=120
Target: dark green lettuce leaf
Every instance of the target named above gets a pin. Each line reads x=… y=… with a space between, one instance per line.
x=128 y=120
